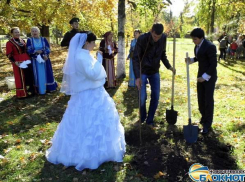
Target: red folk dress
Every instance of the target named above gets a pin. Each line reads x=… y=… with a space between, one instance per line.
x=18 y=53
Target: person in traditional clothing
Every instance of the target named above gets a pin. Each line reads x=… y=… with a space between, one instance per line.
x=131 y=82
x=74 y=22
x=90 y=132
x=21 y=62
x=109 y=49
x=38 y=48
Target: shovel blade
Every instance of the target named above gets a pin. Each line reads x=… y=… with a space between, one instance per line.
x=190 y=133
x=171 y=116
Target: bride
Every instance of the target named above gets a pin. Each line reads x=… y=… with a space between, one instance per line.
x=90 y=132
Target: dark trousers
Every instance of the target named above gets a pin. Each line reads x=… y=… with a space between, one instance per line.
x=222 y=53
x=205 y=96
x=29 y=79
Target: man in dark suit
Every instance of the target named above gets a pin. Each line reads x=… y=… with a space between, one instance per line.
x=74 y=22
x=205 y=55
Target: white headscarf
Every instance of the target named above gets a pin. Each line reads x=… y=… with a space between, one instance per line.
x=69 y=70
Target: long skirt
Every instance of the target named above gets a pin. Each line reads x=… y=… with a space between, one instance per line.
x=23 y=76
x=90 y=132
x=110 y=72
x=131 y=82
x=43 y=76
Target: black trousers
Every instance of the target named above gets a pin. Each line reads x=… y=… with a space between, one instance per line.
x=222 y=53
x=205 y=96
x=29 y=78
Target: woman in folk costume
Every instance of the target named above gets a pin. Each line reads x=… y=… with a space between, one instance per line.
x=21 y=62
x=39 y=50
x=131 y=82
x=109 y=49
x=90 y=132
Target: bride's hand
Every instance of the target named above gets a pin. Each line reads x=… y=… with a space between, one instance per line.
x=99 y=52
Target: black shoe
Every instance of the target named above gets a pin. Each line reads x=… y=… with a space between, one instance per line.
x=204 y=131
x=151 y=125
x=32 y=94
x=201 y=122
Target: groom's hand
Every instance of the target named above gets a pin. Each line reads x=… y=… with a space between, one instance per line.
x=200 y=79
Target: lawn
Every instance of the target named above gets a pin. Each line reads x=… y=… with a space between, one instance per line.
x=27 y=126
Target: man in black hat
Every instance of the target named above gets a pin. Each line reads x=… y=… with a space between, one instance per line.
x=74 y=22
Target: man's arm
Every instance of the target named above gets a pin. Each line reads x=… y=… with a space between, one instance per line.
x=212 y=59
x=164 y=56
x=138 y=53
x=66 y=40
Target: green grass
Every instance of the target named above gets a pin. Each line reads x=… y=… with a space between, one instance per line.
x=26 y=126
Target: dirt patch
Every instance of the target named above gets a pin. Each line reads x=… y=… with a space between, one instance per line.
x=168 y=153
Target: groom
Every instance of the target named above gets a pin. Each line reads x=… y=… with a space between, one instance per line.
x=205 y=55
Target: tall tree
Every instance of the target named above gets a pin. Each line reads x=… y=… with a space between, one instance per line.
x=212 y=15
x=121 y=40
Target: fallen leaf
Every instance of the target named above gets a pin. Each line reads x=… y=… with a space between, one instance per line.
x=22 y=159
x=7 y=150
x=33 y=156
x=139 y=175
x=30 y=140
x=10 y=123
x=4 y=161
x=146 y=163
x=18 y=141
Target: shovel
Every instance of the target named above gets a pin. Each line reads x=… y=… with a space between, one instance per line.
x=171 y=115
x=190 y=131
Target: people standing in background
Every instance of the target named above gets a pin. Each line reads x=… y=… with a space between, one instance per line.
x=223 y=47
x=16 y=53
x=222 y=36
x=109 y=49
x=240 y=48
x=38 y=48
x=131 y=82
x=233 y=48
x=74 y=22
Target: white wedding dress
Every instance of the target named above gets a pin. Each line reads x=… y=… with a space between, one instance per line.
x=90 y=132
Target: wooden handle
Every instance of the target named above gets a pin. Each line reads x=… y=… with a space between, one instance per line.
x=172 y=100
x=188 y=87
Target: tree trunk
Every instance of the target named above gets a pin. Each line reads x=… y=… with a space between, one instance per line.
x=121 y=40
x=208 y=23
x=112 y=26
x=1 y=51
x=182 y=21
x=212 y=16
x=45 y=32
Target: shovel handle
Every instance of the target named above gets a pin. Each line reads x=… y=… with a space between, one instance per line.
x=174 y=46
x=188 y=88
